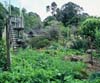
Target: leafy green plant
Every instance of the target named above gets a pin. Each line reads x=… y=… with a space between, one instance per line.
x=95 y=77
x=80 y=44
x=30 y=66
x=89 y=26
x=39 y=42
x=2 y=56
x=97 y=39
x=54 y=33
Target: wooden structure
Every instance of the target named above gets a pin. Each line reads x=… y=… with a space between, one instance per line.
x=14 y=25
x=15 y=28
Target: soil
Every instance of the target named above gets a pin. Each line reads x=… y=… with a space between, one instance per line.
x=95 y=67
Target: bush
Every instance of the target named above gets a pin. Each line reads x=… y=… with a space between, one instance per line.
x=97 y=39
x=89 y=26
x=39 y=42
x=80 y=44
x=95 y=77
x=54 y=33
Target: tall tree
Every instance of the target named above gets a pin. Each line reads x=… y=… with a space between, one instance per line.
x=52 y=8
x=31 y=20
x=70 y=12
x=15 y=11
x=48 y=8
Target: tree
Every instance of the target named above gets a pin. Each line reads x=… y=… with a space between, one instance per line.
x=3 y=13
x=31 y=20
x=48 y=19
x=52 y=7
x=24 y=10
x=48 y=8
x=54 y=33
x=89 y=26
x=15 y=11
x=70 y=12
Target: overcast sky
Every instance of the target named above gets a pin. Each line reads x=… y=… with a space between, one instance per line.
x=39 y=6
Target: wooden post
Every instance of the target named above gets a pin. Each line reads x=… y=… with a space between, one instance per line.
x=91 y=53
x=8 y=44
x=91 y=56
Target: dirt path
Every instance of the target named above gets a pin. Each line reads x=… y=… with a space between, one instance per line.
x=86 y=59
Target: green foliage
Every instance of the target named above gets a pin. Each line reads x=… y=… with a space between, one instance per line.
x=30 y=66
x=3 y=13
x=97 y=39
x=74 y=52
x=49 y=66
x=52 y=7
x=89 y=26
x=54 y=33
x=15 y=11
x=80 y=44
x=66 y=32
x=95 y=77
x=38 y=42
x=2 y=56
x=70 y=13
x=31 y=20
x=55 y=46
x=48 y=19
x=55 y=29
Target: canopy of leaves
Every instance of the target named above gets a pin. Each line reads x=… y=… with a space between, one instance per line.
x=32 y=20
x=48 y=19
x=89 y=26
x=15 y=11
x=70 y=12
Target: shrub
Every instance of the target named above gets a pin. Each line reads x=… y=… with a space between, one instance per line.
x=89 y=26
x=54 y=33
x=97 y=39
x=95 y=77
x=39 y=42
x=80 y=44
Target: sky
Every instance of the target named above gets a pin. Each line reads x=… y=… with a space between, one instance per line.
x=92 y=7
